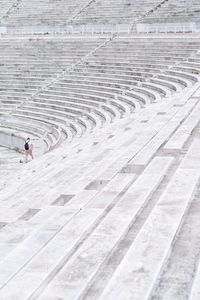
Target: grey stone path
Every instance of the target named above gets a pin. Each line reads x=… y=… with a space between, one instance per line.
x=114 y=215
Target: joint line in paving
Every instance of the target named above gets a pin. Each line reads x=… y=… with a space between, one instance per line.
x=61 y=265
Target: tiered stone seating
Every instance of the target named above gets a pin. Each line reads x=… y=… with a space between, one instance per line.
x=28 y=66
x=175 y=11
x=5 y=5
x=110 y=227
x=42 y=12
x=83 y=12
x=113 y=212
x=86 y=12
x=48 y=136
x=25 y=14
x=124 y=75
x=114 y=12
x=110 y=82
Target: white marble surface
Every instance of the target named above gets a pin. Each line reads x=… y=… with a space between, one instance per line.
x=126 y=228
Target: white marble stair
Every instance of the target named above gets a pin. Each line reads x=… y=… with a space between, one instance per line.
x=135 y=277
x=107 y=187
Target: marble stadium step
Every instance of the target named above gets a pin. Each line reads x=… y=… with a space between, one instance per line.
x=124 y=89
x=178 y=140
x=195 y=291
x=96 y=149
x=141 y=272
x=82 y=12
x=175 y=11
x=187 y=241
x=109 y=208
x=120 y=217
x=47 y=137
x=164 y=134
x=50 y=220
x=159 y=116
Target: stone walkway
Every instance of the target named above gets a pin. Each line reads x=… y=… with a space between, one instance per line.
x=113 y=215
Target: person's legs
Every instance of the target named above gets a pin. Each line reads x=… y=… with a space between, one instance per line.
x=31 y=153
x=26 y=156
x=27 y=153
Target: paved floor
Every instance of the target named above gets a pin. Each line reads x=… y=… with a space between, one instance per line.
x=114 y=215
x=9 y=161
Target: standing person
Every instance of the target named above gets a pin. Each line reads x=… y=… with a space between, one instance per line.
x=28 y=149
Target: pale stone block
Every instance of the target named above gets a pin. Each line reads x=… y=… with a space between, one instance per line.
x=192 y=158
x=195 y=291
x=119 y=182
x=184 y=131
x=151 y=148
x=81 y=199
x=78 y=272
x=55 y=252
x=140 y=267
x=102 y=200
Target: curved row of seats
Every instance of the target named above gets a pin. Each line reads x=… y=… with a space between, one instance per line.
x=48 y=136
x=25 y=13
x=114 y=12
x=41 y=12
x=5 y=6
x=82 y=203
x=30 y=64
x=82 y=12
x=175 y=11
x=119 y=77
